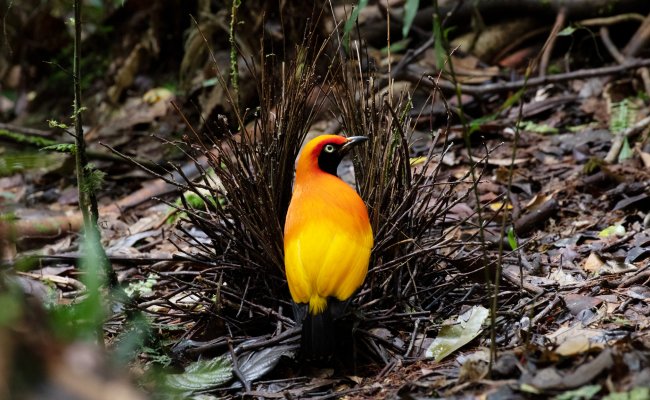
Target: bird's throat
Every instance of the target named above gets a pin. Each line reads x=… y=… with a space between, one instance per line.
x=329 y=162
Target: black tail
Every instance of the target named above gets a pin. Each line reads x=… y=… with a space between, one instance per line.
x=318 y=336
x=326 y=334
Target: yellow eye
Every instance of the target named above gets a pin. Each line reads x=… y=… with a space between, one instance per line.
x=329 y=148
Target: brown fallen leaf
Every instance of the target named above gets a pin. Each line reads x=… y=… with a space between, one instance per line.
x=571 y=340
x=593 y=263
x=577 y=302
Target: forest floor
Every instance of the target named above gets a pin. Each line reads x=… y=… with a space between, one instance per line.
x=536 y=157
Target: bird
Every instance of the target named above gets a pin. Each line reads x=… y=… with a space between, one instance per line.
x=328 y=240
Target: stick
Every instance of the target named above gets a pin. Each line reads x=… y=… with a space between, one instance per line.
x=550 y=43
x=482 y=90
x=639 y=40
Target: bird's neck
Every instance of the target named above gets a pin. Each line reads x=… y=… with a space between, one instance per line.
x=312 y=174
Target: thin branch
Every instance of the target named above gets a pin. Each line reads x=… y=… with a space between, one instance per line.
x=482 y=90
x=550 y=43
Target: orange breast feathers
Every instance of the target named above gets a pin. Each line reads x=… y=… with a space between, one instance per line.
x=327 y=234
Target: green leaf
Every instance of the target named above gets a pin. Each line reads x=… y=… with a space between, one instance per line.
x=626 y=151
x=452 y=337
x=526 y=388
x=210 y=82
x=584 y=393
x=56 y=124
x=614 y=230
x=79 y=111
x=410 y=9
x=638 y=393
x=142 y=287
x=512 y=100
x=531 y=126
x=349 y=24
x=512 y=239
x=568 y=31
x=94 y=179
x=475 y=124
x=68 y=148
x=201 y=375
x=26 y=139
x=622 y=116
x=396 y=47
x=438 y=47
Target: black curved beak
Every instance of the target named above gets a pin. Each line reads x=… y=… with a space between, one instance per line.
x=352 y=142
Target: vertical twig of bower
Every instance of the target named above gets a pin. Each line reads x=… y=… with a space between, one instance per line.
x=234 y=67
x=87 y=197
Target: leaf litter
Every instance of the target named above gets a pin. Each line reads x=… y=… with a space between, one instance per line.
x=573 y=314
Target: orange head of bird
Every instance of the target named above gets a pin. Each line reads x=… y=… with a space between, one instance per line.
x=325 y=153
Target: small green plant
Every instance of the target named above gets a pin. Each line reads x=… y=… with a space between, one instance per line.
x=142 y=287
x=512 y=239
x=410 y=10
x=25 y=139
x=349 y=24
x=84 y=318
x=440 y=39
x=531 y=126
x=94 y=179
x=623 y=114
x=67 y=148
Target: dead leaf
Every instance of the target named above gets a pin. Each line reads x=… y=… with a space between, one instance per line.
x=576 y=340
x=454 y=336
x=577 y=303
x=593 y=263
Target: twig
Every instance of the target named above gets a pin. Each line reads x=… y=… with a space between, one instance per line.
x=545 y=311
x=383 y=341
x=482 y=90
x=61 y=280
x=621 y=58
x=288 y=335
x=73 y=257
x=234 y=67
x=642 y=274
x=613 y=20
x=265 y=310
x=610 y=46
x=515 y=278
x=236 y=370
x=576 y=8
x=639 y=40
x=560 y=19
x=344 y=393
x=413 y=337
x=525 y=224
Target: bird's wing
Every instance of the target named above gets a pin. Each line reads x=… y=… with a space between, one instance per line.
x=344 y=266
x=297 y=274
